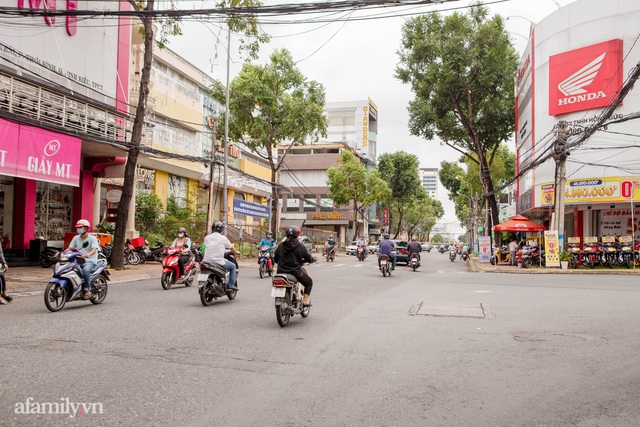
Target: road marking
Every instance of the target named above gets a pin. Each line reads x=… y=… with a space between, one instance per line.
x=339 y=265
x=482 y=292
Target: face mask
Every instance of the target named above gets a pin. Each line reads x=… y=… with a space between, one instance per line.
x=80 y=231
x=180 y=234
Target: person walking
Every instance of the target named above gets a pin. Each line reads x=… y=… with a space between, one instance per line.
x=4 y=297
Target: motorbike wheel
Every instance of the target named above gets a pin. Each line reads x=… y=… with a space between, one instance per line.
x=166 y=280
x=592 y=261
x=573 y=263
x=384 y=271
x=45 y=262
x=415 y=267
x=282 y=314
x=492 y=260
x=133 y=258
x=232 y=295
x=305 y=311
x=98 y=290
x=55 y=297
x=526 y=263
x=189 y=282
x=143 y=258
x=206 y=298
x=261 y=269
x=627 y=262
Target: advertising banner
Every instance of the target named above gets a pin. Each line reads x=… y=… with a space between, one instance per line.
x=242 y=207
x=551 y=248
x=618 y=222
x=484 y=243
x=34 y=153
x=594 y=190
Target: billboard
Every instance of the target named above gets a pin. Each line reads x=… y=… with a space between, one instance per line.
x=80 y=57
x=594 y=190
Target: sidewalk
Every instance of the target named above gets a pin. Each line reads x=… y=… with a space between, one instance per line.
x=475 y=266
x=30 y=280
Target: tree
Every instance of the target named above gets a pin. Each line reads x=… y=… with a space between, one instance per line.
x=274 y=104
x=350 y=183
x=400 y=170
x=461 y=70
x=421 y=216
x=168 y=26
x=436 y=239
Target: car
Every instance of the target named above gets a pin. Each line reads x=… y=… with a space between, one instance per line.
x=351 y=249
x=306 y=242
x=373 y=247
x=402 y=251
x=426 y=246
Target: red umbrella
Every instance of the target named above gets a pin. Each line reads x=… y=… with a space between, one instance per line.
x=519 y=223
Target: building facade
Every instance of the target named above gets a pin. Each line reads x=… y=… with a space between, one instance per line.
x=573 y=68
x=429 y=178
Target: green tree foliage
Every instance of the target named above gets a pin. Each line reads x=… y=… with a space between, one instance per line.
x=400 y=171
x=350 y=183
x=461 y=69
x=274 y=104
x=421 y=216
x=436 y=239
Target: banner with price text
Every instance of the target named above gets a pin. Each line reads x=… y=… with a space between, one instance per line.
x=551 y=248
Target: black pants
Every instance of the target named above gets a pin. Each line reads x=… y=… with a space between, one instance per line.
x=181 y=262
x=304 y=279
x=3 y=285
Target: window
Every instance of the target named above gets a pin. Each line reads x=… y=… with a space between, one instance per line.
x=293 y=204
x=310 y=204
x=326 y=204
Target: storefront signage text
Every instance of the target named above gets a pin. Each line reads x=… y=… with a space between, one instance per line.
x=612 y=189
x=147 y=175
x=50 y=5
x=328 y=215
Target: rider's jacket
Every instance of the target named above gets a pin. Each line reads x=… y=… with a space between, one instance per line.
x=267 y=242
x=414 y=247
x=290 y=255
x=386 y=246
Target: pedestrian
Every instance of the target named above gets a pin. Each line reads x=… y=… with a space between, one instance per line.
x=513 y=247
x=4 y=297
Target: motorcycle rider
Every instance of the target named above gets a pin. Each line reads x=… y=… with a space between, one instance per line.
x=329 y=244
x=289 y=256
x=362 y=242
x=414 y=248
x=215 y=245
x=268 y=240
x=88 y=245
x=386 y=248
x=183 y=241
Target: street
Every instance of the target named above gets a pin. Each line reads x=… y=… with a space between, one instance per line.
x=439 y=346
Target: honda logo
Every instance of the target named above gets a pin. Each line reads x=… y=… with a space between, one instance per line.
x=585 y=78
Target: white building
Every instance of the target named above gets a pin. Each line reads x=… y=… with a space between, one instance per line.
x=429 y=179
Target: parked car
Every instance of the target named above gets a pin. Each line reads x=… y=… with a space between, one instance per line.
x=426 y=246
x=306 y=242
x=402 y=251
x=351 y=249
x=373 y=247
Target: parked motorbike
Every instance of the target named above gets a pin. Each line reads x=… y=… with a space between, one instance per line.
x=155 y=253
x=532 y=256
x=576 y=254
x=361 y=252
x=49 y=256
x=501 y=255
x=385 y=265
x=288 y=293
x=105 y=252
x=610 y=254
x=213 y=280
x=592 y=254
x=171 y=270
x=414 y=261
x=265 y=263
x=330 y=253
x=66 y=284
x=131 y=256
x=452 y=254
x=627 y=254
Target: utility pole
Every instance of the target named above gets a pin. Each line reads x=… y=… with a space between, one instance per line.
x=225 y=201
x=560 y=154
x=213 y=124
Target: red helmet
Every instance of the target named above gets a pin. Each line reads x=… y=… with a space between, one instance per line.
x=182 y=230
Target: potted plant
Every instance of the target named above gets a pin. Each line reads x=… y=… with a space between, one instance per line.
x=564 y=257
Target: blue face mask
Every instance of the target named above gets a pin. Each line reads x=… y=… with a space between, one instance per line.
x=80 y=231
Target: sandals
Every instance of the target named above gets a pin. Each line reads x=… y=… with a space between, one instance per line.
x=86 y=295
x=7 y=298
x=3 y=302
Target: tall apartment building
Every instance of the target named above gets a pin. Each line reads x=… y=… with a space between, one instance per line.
x=429 y=179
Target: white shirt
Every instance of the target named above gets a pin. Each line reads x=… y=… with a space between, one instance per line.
x=513 y=246
x=214 y=248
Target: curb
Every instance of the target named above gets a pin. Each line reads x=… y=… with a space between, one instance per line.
x=476 y=267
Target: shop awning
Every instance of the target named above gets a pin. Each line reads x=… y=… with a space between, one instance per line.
x=519 y=223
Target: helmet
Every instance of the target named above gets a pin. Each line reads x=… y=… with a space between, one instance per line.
x=269 y=234
x=217 y=226
x=330 y=237
x=82 y=223
x=182 y=230
x=386 y=236
x=293 y=232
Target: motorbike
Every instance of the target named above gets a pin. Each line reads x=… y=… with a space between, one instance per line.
x=532 y=256
x=155 y=253
x=361 y=252
x=452 y=254
x=105 y=252
x=464 y=256
x=592 y=254
x=626 y=253
x=288 y=294
x=414 y=261
x=385 y=265
x=610 y=254
x=330 y=253
x=576 y=254
x=501 y=255
x=49 y=256
x=66 y=284
x=441 y=249
x=213 y=280
x=171 y=270
x=265 y=263
x=131 y=256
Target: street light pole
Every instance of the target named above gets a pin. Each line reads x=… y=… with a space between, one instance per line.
x=225 y=196
x=214 y=127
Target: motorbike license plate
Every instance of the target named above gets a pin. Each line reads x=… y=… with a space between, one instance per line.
x=626 y=248
x=278 y=292
x=612 y=249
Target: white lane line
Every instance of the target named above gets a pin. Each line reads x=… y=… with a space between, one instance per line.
x=338 y=265
x=482 y=292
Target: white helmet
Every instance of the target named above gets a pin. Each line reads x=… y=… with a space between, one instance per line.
x=83 y=223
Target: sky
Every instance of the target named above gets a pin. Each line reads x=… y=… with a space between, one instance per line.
x=356 y=60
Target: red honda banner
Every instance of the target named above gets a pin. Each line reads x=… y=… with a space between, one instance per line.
x=585 y=78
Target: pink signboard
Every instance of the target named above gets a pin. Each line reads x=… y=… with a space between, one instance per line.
x=33 y=153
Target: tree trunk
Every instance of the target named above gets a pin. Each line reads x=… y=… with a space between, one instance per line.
x=487 y=184
x=136 y=138
x=275 y=204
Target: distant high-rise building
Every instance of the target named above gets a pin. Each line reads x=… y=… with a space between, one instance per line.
x=429 y=177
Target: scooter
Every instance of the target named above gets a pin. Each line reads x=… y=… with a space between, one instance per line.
x=452 y=254
x=385 y=265
x=265 y=263
x=331 y=253
x=414 y=261
x=66 y=284
x=213 y=280
x=361 y=253
x=171 y=270
x=464 y=256
x=288 y=294
x=155 y=253
x=49 y=256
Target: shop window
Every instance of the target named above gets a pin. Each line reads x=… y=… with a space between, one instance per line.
x=54 y=203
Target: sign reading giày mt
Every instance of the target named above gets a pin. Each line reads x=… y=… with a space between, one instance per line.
x=33 y=153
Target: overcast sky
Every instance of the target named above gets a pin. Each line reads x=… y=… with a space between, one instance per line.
x=356 y=60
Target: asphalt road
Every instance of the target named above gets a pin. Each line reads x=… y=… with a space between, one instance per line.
x=440 y=346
